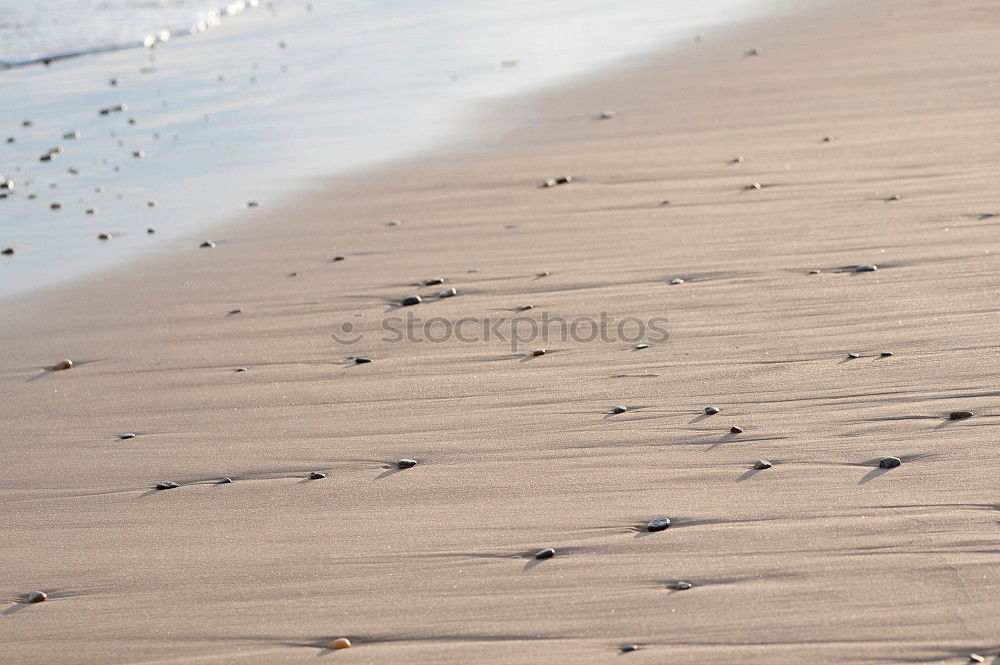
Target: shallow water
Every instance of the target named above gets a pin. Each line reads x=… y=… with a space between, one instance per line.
x=273 y=97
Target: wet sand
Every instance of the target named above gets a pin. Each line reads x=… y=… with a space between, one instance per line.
x=822 y=558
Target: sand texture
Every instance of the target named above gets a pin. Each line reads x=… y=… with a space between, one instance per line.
x=823 y=558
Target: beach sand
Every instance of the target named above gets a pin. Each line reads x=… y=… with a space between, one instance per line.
x=823 y=558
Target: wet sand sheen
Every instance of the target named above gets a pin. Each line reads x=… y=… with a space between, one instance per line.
x=823 y=557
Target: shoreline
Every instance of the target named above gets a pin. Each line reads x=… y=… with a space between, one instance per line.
x=825 y=557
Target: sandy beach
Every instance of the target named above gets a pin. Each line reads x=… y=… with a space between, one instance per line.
x=861 y=133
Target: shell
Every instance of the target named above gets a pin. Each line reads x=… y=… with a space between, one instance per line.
x=735 y=430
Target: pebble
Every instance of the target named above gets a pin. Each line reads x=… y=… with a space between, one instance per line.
x=681 y=586
x=241 y=369
x=104 y=236
x=317 y=475
x=619 y=409
x=815 y=272
x=658 y=524
x=167 y=485
x=854 y=356
x=433 y=281
x=525 y=308
x=151 y=204
x=411 y=300
x=827 y=139
x=236 y=311
x=55 y=206
x=339 y=643
x=207 y=243
x=8 y=251
x=607 y=115
x=118 y=108
x=959 y=415
x=394 y=222
x=406 y=463
x=755 y=51
x=127 y=435
x=252 y=204
x=866 y=267
x=151 y=230
x=762 y=464
x=737 y=160
x=976 y=658
x=711 y=410
x=894 y=197
x=62 y=364
x=889 y=462
x=735 y=430
x=885 y=354
x=447 y=293
x=138 y=154
x=225 y=480
x=338 y=258
x=36 y=597
x=756 y=185
x=361 y=361
x=538 y=352
x=68 y=136
x=552 y=182
x=676 y=281
x=641 y=346
x=91 y=211
x=547 y=553
x=630 y=648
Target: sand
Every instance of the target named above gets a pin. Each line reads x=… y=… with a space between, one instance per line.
x=822 y=558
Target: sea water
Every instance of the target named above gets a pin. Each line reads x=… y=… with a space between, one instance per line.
x=250 y=101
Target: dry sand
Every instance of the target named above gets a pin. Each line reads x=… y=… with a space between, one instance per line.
x=822 y=558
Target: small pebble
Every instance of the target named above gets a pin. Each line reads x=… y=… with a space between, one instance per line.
x=447 y=293
x=894 y=197
x=607 y=115
x=338 y=258
x=639 y=347
x=889 y=462
x=885 y=354
x=755 y=51
x=241 y=369
x=8 y=251
x=138 y=154
x=681 y=586
x=827 y=139
x=711 y=410
x=104 y=236
x=91 y=211
x=853 y=356
x=762 y=464
x=236 y=311
x=225 y=480
x=959 y=415
x=538 y=352
x=630 y=648
x=150 y=230
x=36 y=597
x=394 y=222
x=151 y=204
x=866 y=267
x=361 y=361
x=525 y=308
x=317 y=475
x=339 y=643
x=62 y=364
x=252 y=204
x=735 y=430
x=167 y=485
x=676 y=281
x=547 y=553
x=68 y=136
x=55 y=206
x=406 y=463
x=433 y=281
x=127 y=435
x=552 y=182
x=737 y=160
x=658 y=524
x=207 y=243
x=619 y=409
x=815 y=272
x=976 y=658
x=411 y=300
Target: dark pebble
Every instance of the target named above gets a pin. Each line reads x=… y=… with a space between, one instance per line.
x=338 y=258
x=433 y=281
x=56 y=206
x=406 y=463
x=854 y=356
x=127 y=435
x=711 y=410
x=91 y=211
x=207 y=243
x=150 y=230
x=658 y=524
x=152 y=204
x=959 y=415
x=619 y=409
x=36 y=597
x=889 y=462
x=361 y=361
x=525 y=308
x=252 y=204
x=236 y=311
x=630 y=648
x=866 y=267
x=736 y=430
x=8 y=251
x=547 y=553
x=317 y=475
x=552 y=182
x=167 y=485
x=68 y=136
x=225 y=480
x=538 y=352
x=681 y=586
x=411 y=300
x=138 y=154
x=241 y=369
x=448 y=293
x=886 y=354
x=762 y=464
x=104 y=236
